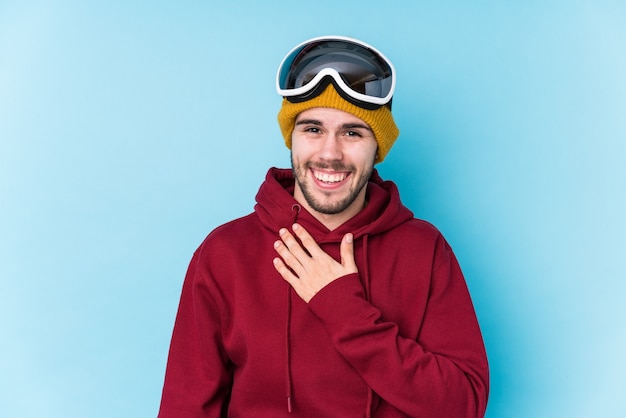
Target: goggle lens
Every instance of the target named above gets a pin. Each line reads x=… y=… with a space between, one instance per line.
x=364 y=74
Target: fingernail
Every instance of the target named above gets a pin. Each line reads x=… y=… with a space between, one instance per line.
x=349 y=237
x=295 y=226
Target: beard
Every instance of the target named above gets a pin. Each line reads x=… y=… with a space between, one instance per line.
x=327 y=206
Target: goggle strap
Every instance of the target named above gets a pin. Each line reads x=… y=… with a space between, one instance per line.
x=321 y=86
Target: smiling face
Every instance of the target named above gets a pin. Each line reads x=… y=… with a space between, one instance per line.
x=332 y=156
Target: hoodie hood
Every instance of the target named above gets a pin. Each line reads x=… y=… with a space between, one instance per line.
x=277 y=208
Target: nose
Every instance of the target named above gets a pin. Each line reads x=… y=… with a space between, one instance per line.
x=331 y=148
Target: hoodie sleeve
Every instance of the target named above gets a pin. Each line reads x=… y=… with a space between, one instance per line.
x=442 y=373
x=197 y=378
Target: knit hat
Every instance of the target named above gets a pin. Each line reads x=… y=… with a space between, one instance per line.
x=380 y=120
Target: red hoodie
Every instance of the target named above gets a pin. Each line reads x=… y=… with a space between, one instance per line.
x=400 y=338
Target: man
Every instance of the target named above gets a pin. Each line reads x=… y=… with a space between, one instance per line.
x=331 y=299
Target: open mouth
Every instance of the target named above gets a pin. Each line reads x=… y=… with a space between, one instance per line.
x=329 y=178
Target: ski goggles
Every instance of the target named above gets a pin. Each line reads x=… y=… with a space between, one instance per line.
x=360 y=73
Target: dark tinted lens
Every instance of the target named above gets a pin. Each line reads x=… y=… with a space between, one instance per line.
x=360 y=68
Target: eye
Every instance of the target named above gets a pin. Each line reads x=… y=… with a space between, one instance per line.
x=353 y=134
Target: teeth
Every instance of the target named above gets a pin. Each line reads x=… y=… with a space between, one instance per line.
x=329 y=178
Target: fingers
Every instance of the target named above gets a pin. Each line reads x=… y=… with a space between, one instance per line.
x=306 y=267
x=285 y=272
x=306 y=239
x=287 y=249
x=303 y=249
x=293 y=245
x=347 y=253
x=298 y=254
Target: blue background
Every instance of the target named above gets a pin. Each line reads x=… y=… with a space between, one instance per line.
x=129 y=130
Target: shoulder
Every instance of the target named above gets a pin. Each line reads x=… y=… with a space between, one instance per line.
x=224 y=247
x=234 y=228
x=419 y=229
x=229 y=235
x=418 y=236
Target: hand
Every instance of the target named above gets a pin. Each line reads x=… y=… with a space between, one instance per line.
x=307 y=268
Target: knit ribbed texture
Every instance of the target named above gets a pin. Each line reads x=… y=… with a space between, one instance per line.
x=380 y=120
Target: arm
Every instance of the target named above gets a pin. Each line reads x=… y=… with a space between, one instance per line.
x=441 y=374
x=197 y=379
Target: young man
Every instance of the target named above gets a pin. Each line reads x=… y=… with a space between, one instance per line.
x=331 y=299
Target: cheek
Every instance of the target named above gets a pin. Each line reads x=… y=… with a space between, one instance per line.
x=296 y=156
x=374 y=152
x=295 y=143
x=299 y=149
x=365 y=155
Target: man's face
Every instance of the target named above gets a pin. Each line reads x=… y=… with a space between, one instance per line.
x=332 y=156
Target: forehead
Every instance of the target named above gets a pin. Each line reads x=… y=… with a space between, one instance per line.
x=329 y=116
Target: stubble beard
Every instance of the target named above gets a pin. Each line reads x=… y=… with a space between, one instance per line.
x=326 y=207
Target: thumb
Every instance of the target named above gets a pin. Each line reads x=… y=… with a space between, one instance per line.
x=347 y=253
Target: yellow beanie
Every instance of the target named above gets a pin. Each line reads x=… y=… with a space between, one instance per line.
x=380 y=120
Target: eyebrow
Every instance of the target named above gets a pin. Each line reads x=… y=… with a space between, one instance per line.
x=309 y=122
x=357 y=126
x=344 y=126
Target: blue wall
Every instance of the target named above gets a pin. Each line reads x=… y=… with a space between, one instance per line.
x=128 y=130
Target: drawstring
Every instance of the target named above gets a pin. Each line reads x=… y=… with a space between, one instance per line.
x=368 y=296
x=370 y=394
x=288 y=351
x=295 y=208
x=366 y=270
